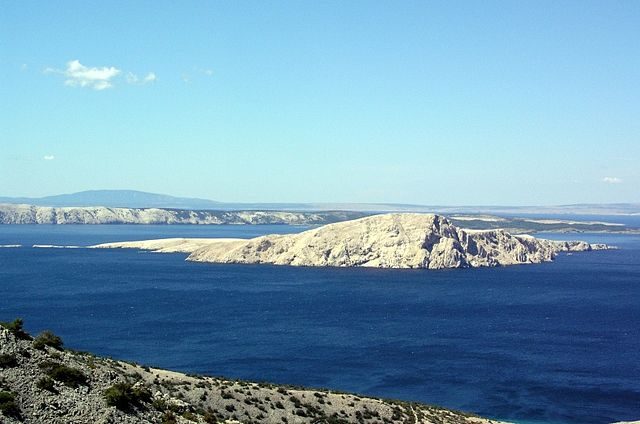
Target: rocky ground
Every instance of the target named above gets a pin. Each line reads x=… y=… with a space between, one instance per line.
x=40 y=382
x=402 y=240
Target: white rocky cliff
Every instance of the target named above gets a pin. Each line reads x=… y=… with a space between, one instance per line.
x=383 y=241
x=29 y=214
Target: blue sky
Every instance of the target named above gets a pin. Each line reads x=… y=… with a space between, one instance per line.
x=465 y=103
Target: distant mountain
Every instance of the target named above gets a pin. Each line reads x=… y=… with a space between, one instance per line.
x=140 y=199
x=116 y=199
x=572 y=209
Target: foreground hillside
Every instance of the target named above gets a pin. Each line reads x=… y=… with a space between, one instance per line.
x=29 y=214
x=42 y=383
x=407 y=240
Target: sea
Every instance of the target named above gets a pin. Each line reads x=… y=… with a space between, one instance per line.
x=551 y=343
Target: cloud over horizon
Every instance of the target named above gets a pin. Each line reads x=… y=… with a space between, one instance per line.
x=612 y=180
x=48 y=157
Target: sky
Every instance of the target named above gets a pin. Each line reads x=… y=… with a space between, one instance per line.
x=422 y=102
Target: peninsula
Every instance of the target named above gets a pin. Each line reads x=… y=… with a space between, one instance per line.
x=404 y=240
x=13 y=214
x=30 y=214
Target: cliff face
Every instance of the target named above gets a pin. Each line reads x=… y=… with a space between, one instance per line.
x=50 y=385
x=28 y=214
x=382 y=241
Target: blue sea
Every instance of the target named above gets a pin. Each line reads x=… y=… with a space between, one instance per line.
x=550 y=343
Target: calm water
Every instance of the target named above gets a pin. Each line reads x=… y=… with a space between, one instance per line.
x=556 y=343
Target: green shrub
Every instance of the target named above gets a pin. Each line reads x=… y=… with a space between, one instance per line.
x=47 y=338
x=142 y=393
x=209 y=418
x=8 y=361
x=159 y=404
x=71 y=377
x=8 y=405
x=46 y=383
x=190 y=416
x=125 y=396
x=169 y=418
x=15 y=327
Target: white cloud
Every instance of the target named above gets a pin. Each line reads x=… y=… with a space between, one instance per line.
x=612 y=180
x=79 y=75
x=49 y=157
x=134 y=79
x=131 y=78
x=207 y=71
x=195 y=73
x=150 y=77
x=99 y=78
x=24 y=67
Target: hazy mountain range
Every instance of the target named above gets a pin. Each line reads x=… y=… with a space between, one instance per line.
x=140 y=199
x=115 y=199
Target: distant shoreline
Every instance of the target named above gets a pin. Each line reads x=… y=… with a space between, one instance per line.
x=42 y=215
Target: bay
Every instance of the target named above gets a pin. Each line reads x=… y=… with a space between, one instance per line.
x=555 y=343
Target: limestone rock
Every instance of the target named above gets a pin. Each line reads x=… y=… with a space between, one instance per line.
x=28 y=214
x=405 y=240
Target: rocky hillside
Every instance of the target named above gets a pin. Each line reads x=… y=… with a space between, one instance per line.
x=40 y=382
x=28 y=214
x=406 y=240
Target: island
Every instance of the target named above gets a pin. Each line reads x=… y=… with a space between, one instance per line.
x=397 y=240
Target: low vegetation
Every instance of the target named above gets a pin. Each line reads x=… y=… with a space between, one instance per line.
x=47 y=338
x=126 y=396
x=46 y=383
x=16 y=328
x=8 y=361
x=70 y=377
x=8 y=405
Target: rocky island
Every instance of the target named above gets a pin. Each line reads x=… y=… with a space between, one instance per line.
x=404 y=240
x=40 y=382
